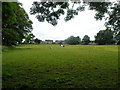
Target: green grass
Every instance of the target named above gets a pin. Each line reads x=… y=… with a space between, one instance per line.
x=72 y=66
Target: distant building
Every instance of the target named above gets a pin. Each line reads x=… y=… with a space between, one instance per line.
x=42 y=42
x=48 y=41
x=59 y=41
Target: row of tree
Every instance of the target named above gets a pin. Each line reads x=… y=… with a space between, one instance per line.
x=110 y=11
x=103 y=37
x=77 y=40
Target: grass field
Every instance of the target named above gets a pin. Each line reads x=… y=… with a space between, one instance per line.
x=72 y=66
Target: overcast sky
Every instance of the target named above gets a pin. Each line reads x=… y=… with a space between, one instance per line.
x=83 y=24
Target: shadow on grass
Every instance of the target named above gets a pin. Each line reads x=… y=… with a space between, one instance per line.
x=11 y=48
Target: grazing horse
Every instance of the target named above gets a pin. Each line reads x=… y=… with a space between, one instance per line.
x=62 y=45
x=50 y=47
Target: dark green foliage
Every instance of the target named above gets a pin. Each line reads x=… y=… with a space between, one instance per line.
x=51 y=11
x=29 y=38
x=104 y=37
x=113 y=12
x=70 y=14
x=86 y=40
x=15 y=23
x=10 y=37
x=117 y=39
x=114 y=20
x=100 y=7
x=37 y=41
x=0 y=25
x=73 y=40
x=8 y=14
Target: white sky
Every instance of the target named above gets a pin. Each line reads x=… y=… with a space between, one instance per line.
x=82 y=24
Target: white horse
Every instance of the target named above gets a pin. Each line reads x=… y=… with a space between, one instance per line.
x=50 y=47
x=62 y=45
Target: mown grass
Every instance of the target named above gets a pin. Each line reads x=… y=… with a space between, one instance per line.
x=72 y=66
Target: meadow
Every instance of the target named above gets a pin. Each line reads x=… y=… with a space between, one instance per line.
x=72 y=66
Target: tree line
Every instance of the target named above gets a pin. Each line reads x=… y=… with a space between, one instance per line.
x=103 y=37
x=51 y=12
x=16 y=25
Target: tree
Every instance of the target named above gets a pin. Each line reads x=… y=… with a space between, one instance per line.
x=0 y=24
x=104 y=37
x=86 y=40
x=72 y=40
x=15 y=23
x=9 y=37
x=29 y=38
x=117 y=39
x=51 y=12
x=114 y=21
x=37 y=41
x=78 y=39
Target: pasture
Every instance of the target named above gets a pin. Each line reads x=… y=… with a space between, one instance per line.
x=72 y=66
